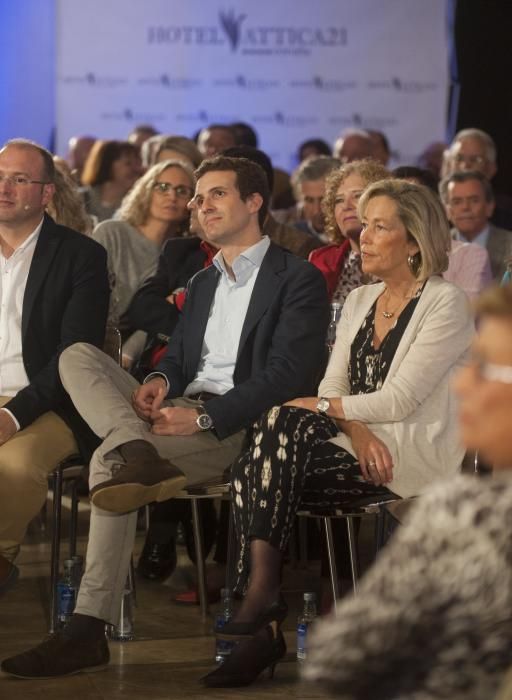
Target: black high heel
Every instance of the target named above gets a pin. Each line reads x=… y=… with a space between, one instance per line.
x=249 y=658
x=276 y=612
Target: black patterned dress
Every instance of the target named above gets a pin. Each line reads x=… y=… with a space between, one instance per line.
x=291 y=461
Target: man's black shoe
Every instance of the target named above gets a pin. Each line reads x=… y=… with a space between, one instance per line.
x=59 y=655
x=157 y=561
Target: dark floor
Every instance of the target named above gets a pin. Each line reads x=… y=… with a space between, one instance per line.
x=172 y=648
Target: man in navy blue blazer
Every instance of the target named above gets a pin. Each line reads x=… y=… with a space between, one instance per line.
x=251 y=335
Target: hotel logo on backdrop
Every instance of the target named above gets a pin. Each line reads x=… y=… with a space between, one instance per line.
x=235 y=32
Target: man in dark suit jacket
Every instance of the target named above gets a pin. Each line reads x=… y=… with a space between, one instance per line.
x=53 y=293
x=252 y=335
x=469 y=202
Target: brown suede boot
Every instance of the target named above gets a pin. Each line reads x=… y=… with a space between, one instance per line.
x=145 y=477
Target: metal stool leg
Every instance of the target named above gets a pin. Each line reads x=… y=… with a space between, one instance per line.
x=230 y=563
x=54 y=569
x=73 y=524
x=332 y=560
x=352 y=546
x=201 y=569
x=303 y=543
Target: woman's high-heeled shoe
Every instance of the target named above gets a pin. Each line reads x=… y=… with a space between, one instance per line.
x=249 y=658
x=276 y=612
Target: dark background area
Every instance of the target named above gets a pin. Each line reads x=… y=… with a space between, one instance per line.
x=483 y=45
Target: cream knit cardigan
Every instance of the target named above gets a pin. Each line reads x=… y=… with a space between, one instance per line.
x=415 y=412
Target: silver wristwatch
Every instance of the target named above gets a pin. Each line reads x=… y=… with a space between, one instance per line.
x=203 y=420
x=323 y=405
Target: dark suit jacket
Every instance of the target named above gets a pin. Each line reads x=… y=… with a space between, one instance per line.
x=499 y=247
x=149 y=311
x=65 y=302
x=282 y=345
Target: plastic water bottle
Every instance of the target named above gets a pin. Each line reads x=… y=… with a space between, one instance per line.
x=123 y=630
x=308 y=615
x=223 y=647
x=66 y=593
x=331 y=329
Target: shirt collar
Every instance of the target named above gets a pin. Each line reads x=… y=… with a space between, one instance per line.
x=244 y=263
x=32 y=239
x=479 y=239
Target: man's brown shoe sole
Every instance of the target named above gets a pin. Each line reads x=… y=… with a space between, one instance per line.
x=123 y=498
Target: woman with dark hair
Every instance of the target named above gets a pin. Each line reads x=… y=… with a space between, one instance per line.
x=111 y=169
x=383 y=423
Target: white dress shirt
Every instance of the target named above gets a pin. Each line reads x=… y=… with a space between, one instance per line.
x=13 y=281
x=226 y=319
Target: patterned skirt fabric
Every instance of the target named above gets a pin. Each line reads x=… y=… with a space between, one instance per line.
x=289 y=464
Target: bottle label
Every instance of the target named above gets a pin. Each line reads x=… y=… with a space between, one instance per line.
x=66 y=599
x=302 y=633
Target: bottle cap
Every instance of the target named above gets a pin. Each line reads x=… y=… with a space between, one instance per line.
x=225 y=593
x=68 y=563
x=310 y=597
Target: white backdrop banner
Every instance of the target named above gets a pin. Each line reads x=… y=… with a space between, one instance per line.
x=293 y=69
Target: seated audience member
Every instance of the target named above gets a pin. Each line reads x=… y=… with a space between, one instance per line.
x=340 y=261
x=431 y=158
x=353 y=144
x=468 y=263
x=474 y=149
x=309 y=189
x=251 y=333
x=148 y=151
x=383 y=422
x=140 y=134
x=66 y=207
x=381 y=149
x=245 y=135
x=79 y=148
x=54 y=293
x=110 y=170
x=432 y=617
x=284 y=235
x=153 y=211
x=178 y=148
x=312 y=148
x=214 y=139
x=469 y=203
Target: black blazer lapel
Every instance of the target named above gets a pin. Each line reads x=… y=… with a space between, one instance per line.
x=46 y=247
x=264 y=291
x=206 y=284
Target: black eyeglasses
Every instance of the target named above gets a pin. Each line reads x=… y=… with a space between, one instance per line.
x=182 y=191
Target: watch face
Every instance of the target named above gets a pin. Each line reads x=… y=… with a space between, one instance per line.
x=323 y=405
x=204 y=421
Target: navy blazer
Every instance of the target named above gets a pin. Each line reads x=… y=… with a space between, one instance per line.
x=65 y=302
x=282 y=346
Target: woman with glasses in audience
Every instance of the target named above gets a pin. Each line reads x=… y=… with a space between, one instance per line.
x=433 y=618
x=383 y=423
x=152 y=212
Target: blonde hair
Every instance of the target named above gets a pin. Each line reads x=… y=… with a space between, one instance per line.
x=368 y=170
x=423 y=217
x=135 y=206
x=496 y=301
x=67 y=205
